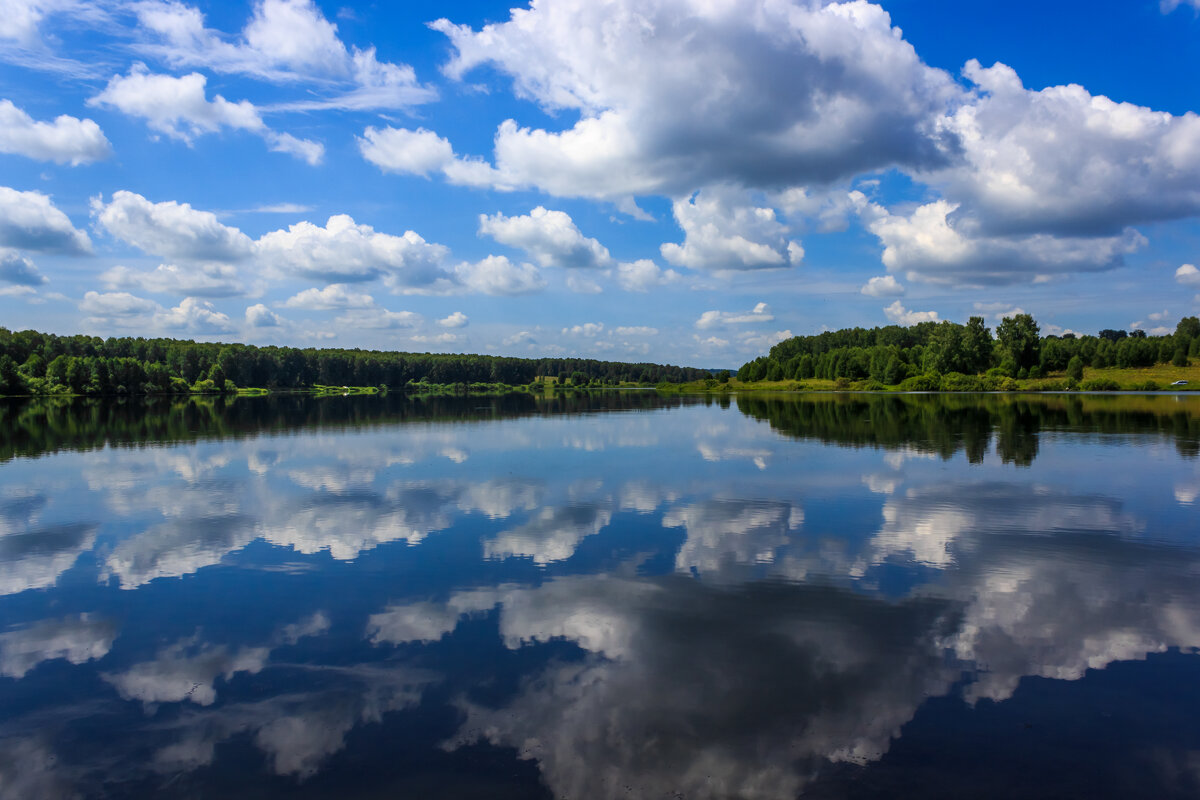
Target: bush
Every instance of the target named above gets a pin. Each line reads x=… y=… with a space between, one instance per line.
x=997 y=373
x=842 y=383
x=957 y=382
x=1146 y=386
x=1100 y=385
x=1075 y=369
x=1007 y=385
x=929 y=382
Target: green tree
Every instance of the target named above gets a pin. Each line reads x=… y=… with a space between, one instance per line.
x=34 y=366
x=945 y=351
x=1189 y=327
x=977 y=347
x=894 y=372
x=11 y=380
x=1019 y=338
x=1075 y=368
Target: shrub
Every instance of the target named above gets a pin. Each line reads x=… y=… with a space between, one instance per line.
x=929 y=382
x=1100 y=385
x=1146 y=386
x=957 y=382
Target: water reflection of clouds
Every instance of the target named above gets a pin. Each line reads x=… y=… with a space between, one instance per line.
x=29 y=767
x=198 y=533
x=296 y=731
x=35 y=558
x=187 y=670
x=551 y=535
x=1070 y=604
x=927 y=524
x=705 y=692
x=77 y=639
x=721 y=533
x=176 y=548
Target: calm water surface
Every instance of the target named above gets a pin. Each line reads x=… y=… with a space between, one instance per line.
x=607 y=597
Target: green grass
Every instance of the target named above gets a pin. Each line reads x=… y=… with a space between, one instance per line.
x=1127 y=379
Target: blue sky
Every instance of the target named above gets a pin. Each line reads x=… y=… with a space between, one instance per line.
x=684 y=181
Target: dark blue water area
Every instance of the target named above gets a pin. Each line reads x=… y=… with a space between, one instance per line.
x=806 y=596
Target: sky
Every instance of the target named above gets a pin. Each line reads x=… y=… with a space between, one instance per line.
x=682 y=181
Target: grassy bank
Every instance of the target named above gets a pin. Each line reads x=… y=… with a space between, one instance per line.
x=1132 y=379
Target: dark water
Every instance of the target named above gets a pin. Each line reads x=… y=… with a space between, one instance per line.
x=613 y=596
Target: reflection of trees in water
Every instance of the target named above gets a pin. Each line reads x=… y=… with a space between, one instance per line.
x=945 y=424
x=44 y=425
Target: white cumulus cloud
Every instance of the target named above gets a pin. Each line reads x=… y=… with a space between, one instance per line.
x=883 y=286
x=712 y=319
x=116 y=304
x=67 y=140
x=200 y=280
x=551 y=238
x=1064 y=161
x=900 y=315
x=677 y=95
x=30 y=221
x=344 y=251
x=421 y=152
x=180 y=108
x=375 y=318
x=724 y=232
x=333 y=296
x=498 y=276
x=285 y=42
x=1188 y=275
x=259 y=316
x=933 y=246
x=643 y=275
x=455 y=320
x=17 y=269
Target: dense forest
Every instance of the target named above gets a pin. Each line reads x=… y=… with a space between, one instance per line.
x=43 y=363
x=927 y=352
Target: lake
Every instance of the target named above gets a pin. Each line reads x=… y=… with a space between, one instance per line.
x=601 y=596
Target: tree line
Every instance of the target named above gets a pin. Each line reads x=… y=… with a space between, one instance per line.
x=892 y=355
x=44 y=363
